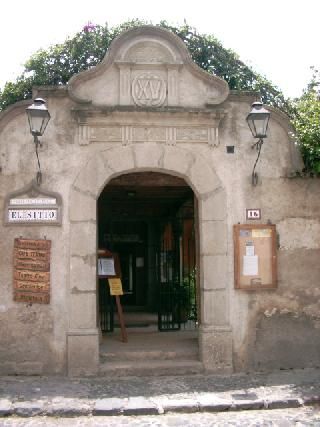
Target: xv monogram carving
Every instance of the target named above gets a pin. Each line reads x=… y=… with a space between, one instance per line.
x=149 y=90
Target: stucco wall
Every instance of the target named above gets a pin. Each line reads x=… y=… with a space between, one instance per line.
x=280 y=329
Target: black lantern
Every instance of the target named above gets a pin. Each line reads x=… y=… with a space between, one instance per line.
x=258 y=120
x=38 y=117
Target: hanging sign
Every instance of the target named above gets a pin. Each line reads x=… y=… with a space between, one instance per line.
x=31 y=274
x=33 y=205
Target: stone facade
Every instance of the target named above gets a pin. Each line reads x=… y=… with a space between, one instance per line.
x=147 y=107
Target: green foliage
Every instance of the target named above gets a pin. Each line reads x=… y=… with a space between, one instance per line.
x=56 y=65
x=209 y=54
x=306 y=121
x=13 y=92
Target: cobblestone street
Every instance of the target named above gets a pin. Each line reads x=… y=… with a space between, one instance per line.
x=280 y=398
x=309 y=416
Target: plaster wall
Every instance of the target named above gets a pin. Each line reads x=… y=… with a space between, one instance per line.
x=90 y=140
x=280 y=329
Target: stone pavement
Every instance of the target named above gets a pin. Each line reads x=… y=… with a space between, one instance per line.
x=300 y=417
x=64 y=397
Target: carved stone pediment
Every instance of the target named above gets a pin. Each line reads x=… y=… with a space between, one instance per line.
x=148 y=67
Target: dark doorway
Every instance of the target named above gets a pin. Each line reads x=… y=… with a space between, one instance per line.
x=147 y=218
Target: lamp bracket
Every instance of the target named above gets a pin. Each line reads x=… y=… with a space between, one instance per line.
x=39 y=173
x=257 y=144
x=254 y=176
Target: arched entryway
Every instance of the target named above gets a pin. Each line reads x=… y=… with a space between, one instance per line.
x=83 y=336
x=147 y=221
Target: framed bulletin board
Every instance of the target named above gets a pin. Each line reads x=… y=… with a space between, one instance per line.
x=255 y=256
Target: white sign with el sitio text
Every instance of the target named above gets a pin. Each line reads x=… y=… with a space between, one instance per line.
x=32 y=215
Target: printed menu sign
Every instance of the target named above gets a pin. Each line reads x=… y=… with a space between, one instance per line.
x=31 y=275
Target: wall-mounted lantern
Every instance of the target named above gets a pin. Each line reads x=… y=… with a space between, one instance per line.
x=38 y=116
x=258 y=120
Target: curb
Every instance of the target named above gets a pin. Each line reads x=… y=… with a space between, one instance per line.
x=144 y=406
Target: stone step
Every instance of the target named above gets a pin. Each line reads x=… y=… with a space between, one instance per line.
x=151 y=368
x=136 y=355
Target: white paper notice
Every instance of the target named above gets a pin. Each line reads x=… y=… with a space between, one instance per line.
x=249 y=250
x=106 y=267
x=250 y=265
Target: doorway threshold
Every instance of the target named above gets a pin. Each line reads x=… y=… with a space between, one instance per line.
x=149 y=352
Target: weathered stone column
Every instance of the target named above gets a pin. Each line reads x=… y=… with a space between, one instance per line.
x=215 y=339
x=83 y=334
x=82 y=337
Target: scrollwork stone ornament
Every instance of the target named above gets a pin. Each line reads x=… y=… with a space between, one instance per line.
x=149 y=90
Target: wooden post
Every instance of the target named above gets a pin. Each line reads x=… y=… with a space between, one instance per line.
x=121 y=320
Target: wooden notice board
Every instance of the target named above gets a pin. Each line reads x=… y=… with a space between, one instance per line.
x=255 y=256
x=31 y=275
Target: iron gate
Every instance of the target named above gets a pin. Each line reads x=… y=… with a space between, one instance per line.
x=177 y=274
x=106 y=307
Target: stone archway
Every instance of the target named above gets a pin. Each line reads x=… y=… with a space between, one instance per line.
x=215 y=334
